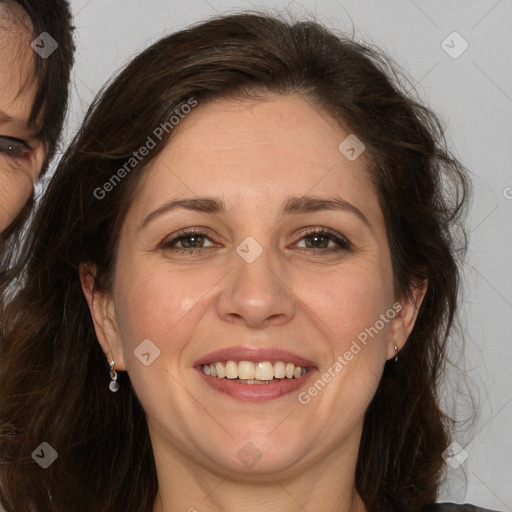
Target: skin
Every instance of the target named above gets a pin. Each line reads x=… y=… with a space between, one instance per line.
x=22 y=153
x=253 y=155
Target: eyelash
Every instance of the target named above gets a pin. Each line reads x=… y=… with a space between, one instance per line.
x=8 y=143
x=343 y=243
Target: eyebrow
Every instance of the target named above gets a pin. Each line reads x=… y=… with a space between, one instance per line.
x=292 y=206
x=210 y=205
x=28 y=127
x=308 y=204
x=6 y=118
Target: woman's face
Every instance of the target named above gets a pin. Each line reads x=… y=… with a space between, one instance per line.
x=21 y=152
x=254 y=239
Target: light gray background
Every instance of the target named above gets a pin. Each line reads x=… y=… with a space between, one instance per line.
x=472 y=93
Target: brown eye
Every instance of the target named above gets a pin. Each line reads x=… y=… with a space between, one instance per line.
x=192 y=241
x=317 y=241
x=188 y=240
x=15 y=148
x=322 y=238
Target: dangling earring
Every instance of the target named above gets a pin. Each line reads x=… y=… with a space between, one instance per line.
x=113 y=386
x=396 y=351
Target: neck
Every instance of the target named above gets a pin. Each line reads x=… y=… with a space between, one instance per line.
x=327 y=485
x=265 y=503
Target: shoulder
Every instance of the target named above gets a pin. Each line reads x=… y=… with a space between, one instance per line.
x=453 y=507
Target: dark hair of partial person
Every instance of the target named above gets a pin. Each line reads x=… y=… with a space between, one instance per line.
x=54 y=376
x=51 y=98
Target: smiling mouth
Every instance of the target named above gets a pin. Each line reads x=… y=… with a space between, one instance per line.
x=248 y=372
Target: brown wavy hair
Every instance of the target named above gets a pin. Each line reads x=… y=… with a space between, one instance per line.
x=53 y=373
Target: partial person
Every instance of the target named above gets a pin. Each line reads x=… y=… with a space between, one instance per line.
x=36 y=56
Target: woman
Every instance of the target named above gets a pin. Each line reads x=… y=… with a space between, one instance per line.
x=239 y=287
x=36 y=52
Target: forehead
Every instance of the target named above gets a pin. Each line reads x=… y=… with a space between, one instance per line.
x=257 y=152
x=267 y=140
x=17 y=87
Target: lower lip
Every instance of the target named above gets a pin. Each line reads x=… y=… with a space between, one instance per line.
x=256 y=392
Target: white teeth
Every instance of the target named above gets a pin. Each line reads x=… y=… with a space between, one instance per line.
x=254 y=381
x=264 y=371
x=246 y=370
x=251 y=373
x=279 y=370
x=231 y=370
x=221 y=371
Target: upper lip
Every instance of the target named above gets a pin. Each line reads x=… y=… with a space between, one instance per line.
x=253 y=354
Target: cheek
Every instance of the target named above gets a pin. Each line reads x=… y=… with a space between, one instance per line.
x=15 y=191
x=350 y=302
x=161 y=305
x=355 y=314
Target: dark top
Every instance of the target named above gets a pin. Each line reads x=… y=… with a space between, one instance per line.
x=453 y=507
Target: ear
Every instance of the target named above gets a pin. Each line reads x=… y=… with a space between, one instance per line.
x=407 y=312
x=102 y=311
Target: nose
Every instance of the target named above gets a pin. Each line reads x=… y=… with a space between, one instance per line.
x=256 y=294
